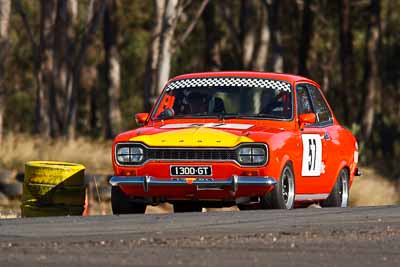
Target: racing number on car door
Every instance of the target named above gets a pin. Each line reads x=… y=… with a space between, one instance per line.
x=312 y=155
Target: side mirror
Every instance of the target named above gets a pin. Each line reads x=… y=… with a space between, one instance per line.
x=141 y=118
x=306 y=118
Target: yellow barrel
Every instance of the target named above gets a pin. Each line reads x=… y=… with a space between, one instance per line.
x=53 y=189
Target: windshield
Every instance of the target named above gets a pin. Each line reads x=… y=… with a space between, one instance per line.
x=225 y=98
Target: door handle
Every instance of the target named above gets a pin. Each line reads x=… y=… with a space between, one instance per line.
x=327 y=136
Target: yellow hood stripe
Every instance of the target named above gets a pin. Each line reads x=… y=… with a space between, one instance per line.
x=193 y=137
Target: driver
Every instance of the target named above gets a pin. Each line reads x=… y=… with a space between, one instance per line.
x=267 y=100
x=198 y=102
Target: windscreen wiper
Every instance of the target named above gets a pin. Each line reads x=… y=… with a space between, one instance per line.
x=263 y=115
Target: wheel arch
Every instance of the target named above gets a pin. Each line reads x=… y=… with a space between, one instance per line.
x=284 y=161
x=343 y=165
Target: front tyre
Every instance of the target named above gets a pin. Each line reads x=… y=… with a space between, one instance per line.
x=282 y=197
x=122 y=204
x=339 y=196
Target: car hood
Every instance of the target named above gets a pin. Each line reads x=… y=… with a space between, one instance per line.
x=199 y=134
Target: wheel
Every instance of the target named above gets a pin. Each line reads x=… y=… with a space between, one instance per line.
x=122 y=204
x=186 y=207
x=339 y=197
x=282 y=197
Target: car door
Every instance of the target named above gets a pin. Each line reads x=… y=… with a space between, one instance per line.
x=330 y=133
x=314 y=148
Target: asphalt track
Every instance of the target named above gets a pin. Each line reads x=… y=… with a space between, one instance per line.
x=364 y=236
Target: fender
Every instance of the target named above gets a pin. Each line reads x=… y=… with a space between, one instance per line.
x=343 y=164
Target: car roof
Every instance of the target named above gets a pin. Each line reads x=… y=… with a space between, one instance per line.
x=247 y=74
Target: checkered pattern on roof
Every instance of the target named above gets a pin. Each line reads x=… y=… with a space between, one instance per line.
x=229 y=81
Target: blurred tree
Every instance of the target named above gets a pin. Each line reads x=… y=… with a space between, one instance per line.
x=46 y=97
x=275 y=56
x=58 y=62
x=173 y=9
x=112 y=112
x=305 y=37
x=213 y=38
x=248 y=30
x=5 y=10
x=346 y=58
x=164 y=43
x=150 y=88
x=251 y=38
x=260 y=54
x=371 y=81
x=41 y=123
x=96 y=8
x=63 y=69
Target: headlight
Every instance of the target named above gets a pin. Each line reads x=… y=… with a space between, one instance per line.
x=129 y=154
x=251 y=155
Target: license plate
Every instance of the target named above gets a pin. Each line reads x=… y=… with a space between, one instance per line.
x=191 y=170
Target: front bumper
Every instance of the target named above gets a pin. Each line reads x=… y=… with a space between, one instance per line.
x=234 y=182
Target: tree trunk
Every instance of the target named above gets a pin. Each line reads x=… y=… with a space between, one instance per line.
x=5 y=10
x=248 y=32
x=260 y=54
x=64 y=36
x=41 y=123
x=112 y=121
x=150 y=83
x=191 y=26
x=275 y=57
x=371 y=71
x=212 y=48
x=96 y=8
x=346 y=58
x=170 y=18
x=305 y=37
x=46 y=109
x=94 y=107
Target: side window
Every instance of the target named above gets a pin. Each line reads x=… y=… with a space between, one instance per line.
x=320 y=107
x=303 y=100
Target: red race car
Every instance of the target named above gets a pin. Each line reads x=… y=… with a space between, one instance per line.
x=252 y=139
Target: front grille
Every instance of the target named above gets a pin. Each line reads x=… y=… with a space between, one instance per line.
x=183 y=154
x=190 y=154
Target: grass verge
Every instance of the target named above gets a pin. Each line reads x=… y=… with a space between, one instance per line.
x=15 y=150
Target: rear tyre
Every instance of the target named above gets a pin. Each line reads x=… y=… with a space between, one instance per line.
x=122 y=204
x=186 y=207
x=339 y=197
x=282 y=197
